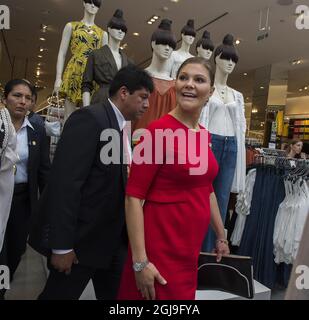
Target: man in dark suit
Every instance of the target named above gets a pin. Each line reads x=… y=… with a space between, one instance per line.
x=81 y=221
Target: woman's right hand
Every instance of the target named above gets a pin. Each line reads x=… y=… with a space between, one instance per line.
x=145 y=281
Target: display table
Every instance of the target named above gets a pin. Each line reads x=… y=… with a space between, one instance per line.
x=261 y=293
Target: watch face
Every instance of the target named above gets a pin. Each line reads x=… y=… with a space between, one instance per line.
x=139 y=266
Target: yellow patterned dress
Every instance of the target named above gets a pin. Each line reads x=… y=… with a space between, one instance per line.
x=84 y=39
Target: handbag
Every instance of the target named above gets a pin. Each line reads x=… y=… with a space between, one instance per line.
x=53 y=122
x=233 y=274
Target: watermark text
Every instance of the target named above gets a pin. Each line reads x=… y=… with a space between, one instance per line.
x=302 y=21
x=4 y=17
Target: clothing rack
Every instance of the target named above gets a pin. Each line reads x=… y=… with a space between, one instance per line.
x=279 y=161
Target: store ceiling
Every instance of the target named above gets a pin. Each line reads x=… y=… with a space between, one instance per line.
x=284 y=44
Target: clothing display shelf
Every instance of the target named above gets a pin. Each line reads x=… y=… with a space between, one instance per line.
x=299 y=129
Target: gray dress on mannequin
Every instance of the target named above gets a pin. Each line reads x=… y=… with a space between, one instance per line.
x=101 y=69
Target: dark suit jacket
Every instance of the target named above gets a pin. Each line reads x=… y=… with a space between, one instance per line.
x=101 y=68
x=83 y=205
x=38 y=163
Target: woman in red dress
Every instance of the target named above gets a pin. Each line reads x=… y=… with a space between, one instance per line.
x=167 y=230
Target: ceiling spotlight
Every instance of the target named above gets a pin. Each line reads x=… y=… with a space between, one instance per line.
x=300 y=90
x=135 y=34
x=42 y=39
x=41 y=49
x=149 y=22
x=245 y=74
x=39 y=56
x=153 y=20
x=38 y=73
x=237 y=42
x=295 y=62
x=43 y=27
x=306 y=88
x=262 y=88
x=156 y=17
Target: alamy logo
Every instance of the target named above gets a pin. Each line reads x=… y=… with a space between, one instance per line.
x=302 y=21
x=4 y=277
x=4 y=17
x=302 y=282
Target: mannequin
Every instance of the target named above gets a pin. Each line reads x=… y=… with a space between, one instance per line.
x=205 y=46
x=178 y=57
x=69 y=83
x=103 y=63
x=163 y=42
x=224 y=117
x=163 y=99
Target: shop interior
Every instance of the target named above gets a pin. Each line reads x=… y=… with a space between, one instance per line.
x=272 y=72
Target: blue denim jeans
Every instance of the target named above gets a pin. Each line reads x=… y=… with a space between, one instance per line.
x=225 y=151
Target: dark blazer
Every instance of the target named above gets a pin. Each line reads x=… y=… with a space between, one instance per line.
x=83 y=205
x=101 y=69
x=38 y=162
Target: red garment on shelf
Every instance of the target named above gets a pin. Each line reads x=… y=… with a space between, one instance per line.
x=176 y=216
x=161 y=101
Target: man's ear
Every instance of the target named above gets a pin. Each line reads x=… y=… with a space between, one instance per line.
x=123 y=91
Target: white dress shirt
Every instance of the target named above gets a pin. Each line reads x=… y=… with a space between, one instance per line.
x=122 y=123
x=22 y=150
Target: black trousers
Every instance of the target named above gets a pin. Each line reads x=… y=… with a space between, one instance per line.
x=60 y=286
x=17 y=230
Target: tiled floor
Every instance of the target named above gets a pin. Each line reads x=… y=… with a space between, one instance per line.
x=30 y=278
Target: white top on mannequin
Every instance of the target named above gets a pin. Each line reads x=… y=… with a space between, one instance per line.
x=221 y=122
x=160 y=64
x=226 y=116
x=204 y=53
x=115 y=36
x=181 y=55
x=90 y=11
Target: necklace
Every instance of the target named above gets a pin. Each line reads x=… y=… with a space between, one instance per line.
x=222 y=91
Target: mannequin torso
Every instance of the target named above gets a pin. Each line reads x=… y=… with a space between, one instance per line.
x=181 y=55
x=94 y=38
x=102 y=66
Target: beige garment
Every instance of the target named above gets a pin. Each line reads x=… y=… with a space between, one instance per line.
x=302 y=259
x=8 y=158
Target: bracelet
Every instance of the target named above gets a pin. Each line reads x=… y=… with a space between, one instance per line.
x=222 y=241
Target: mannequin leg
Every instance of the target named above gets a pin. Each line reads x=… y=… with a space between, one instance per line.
x=69 y=108
x=225 y=151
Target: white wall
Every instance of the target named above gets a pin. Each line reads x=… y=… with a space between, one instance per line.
x=297 y=106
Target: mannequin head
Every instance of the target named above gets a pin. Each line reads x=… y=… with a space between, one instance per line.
x=163 y=41
x=188 y=29
x=226 y=56
x=205 y=46
x=188 y=33
x=117 y=27
x=92 y=6
x=162 y=51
